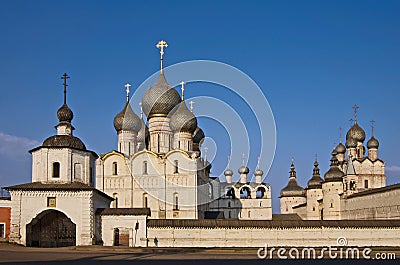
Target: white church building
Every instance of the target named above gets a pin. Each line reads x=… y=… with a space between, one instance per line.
x=155 y=190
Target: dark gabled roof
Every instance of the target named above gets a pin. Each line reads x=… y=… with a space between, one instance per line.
x=124 y=211
x=372 y=191
x=287 y=217
x=213 y=215
x=70 y=186
x=209 y=223
x=367 y=158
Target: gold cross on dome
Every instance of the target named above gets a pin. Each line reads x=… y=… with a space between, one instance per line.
x=355 y=107
x=161 y=45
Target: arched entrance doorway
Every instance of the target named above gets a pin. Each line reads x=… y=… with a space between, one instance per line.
x=51 y=228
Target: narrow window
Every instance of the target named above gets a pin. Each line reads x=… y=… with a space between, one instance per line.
x=2 y=230
x=366 y=183
x=176 y=202
x=145 y=201
x=248 y=214
x=331 y=205
x=229 y=215
x=91 y=175
x=179 y=144
x=158 y=143
x=229 y=204
x=115 y=196
x=144 y=167
x=115 y=168
x=56 y=170
x=176 y=166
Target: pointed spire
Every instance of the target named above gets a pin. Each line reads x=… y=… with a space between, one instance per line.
x=350 y=167
x=161 y=45
x=292 y=169
x=340 y=134
x=316 y=168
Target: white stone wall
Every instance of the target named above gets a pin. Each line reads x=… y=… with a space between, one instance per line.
x=274 y=237
x=313 y=206
x=288 y=202
x=331 y=200
x=137 y=238
x=383 y=205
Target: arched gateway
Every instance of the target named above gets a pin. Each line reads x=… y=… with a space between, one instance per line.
x=51 y=228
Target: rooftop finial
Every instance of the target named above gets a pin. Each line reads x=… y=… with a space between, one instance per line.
x=340 y=131
x=243 y=155
x=141 y=110
x=161 y=45
x=183 y=89
x=127 y=86
x=316 y=157
x=65 y=77
x=372 y=126
x=258 y=162
x=229 y=161
x=355 y=107
x=191 y=103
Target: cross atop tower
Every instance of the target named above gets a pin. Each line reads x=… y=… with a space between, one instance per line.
x=65 y=77
x=141 y=110
x=340 y=131
x=258 y=162
x=372 y=126
x=161 y=45
x=243 y=156
x=127 y=86
x=351 y=122
x=229 y=161
x=191 y=103
x=355 y=107
x=183 y=89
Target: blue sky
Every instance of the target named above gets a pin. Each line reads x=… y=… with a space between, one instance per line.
x=312 y=59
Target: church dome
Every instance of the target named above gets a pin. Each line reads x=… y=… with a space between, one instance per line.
x=351 y=143
x=65 y=114
x=258 y=172
x=373 y=143
x=356 y=132
x=292 y=189
x=182 y=119
x=198 y=135
x=316 y=181
x=143 y=133
x=340 y=149
x=228 y=172
x=68 y=141
x=160 y=99
x=334 y=173
x=127 y=120
x=243 y=170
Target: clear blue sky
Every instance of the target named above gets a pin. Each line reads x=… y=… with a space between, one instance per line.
x=312 y=59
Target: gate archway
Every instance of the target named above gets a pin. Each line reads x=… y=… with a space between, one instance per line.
x=51 y=228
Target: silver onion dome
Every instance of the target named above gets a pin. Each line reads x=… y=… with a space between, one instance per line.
x=356 y=132
x=258 y=172
x=316 y=181
x=292 y=189
x=182 y=119
x=160 y=99
x=143 y=133
x=127 y=120
x=373 y=143
x=351 y=143
x=243 y=170
x=340 y=149
x=228 y=172
x=198 y=135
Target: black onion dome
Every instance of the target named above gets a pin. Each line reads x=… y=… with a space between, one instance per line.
x=182 y=119
x=340 y=149
x=198 y=135
x=316 y=181
x=292 y=189
x=68 y=141
x=351 y=143
x=65 y=114
x=127 y=120
x=160 y=98
x=373 y=143
x=143 y=133
x=334 y=173
x=356 y=132
x=243 y=170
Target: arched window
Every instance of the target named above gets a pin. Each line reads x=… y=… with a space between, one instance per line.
x=176 y=170
x=115 y=168
x=144 y=167
x=176 y=201
x=245 y=193
x=261 y=194
x=56 y=170
x=230 y=193
x=145 y=201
